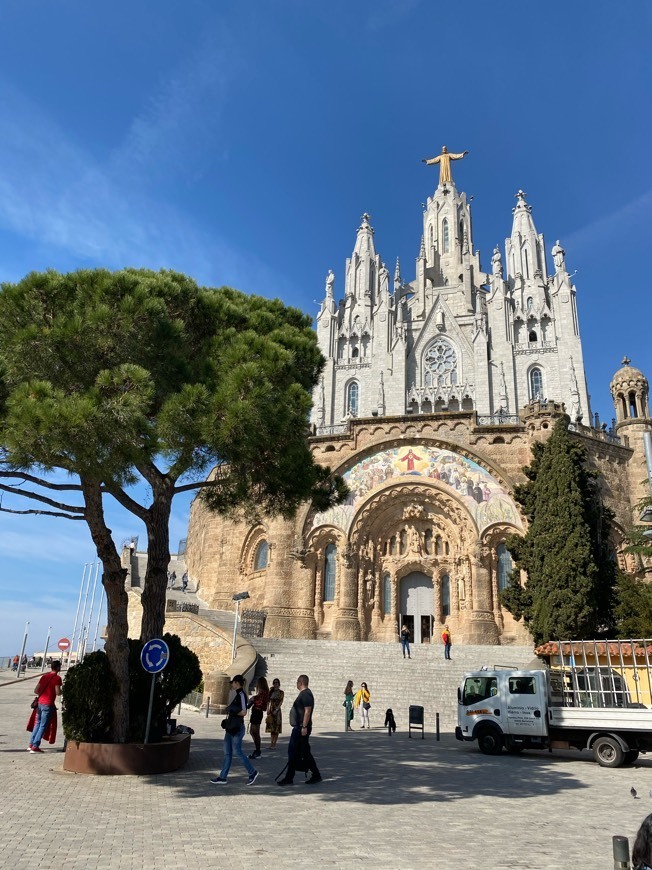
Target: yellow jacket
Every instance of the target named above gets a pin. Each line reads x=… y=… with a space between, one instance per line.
x=362 y=696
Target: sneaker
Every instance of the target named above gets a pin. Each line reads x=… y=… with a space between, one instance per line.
x=217 y=781
x=255 y=755
x=285 y=781
x=252 y=779
x=313 y=780
x=29 y=748
x=35 y=749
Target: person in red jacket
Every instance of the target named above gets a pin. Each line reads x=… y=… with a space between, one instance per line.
x=447 y=641
x=47 y=690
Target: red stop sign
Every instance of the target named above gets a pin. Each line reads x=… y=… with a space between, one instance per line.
x=64 y=644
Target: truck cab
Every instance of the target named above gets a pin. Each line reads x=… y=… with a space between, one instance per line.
x=503 y=708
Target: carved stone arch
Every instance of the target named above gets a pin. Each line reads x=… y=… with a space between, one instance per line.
x=386 y=500
x=252 y=539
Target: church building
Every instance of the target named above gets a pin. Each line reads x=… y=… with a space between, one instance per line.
x=433 y=392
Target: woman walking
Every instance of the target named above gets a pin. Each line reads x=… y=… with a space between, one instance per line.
x=233 y=734
x=259 y=705
x=363 y=702
x=274 y=721
x=349 y=697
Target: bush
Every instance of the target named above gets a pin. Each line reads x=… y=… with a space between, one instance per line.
x=179 y=678
x=87 y=700
x=88 y=691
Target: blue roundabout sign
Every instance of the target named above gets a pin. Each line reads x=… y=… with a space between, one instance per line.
x=154 y=656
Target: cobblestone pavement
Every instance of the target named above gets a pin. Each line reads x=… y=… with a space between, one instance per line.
x=385 y=803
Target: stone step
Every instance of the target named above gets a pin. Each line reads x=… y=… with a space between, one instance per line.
x=426 y=680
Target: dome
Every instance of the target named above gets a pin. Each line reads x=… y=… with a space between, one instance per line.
x=627 y=378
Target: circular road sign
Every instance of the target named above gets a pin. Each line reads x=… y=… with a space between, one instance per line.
x=64 y=644
x=154 y=656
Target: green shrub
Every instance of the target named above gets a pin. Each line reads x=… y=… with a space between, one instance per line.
x=89 y=687
x=180 y=677
x=87 y=700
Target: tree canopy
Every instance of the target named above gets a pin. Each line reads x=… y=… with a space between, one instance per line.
x=119 y=377
x=566 y=551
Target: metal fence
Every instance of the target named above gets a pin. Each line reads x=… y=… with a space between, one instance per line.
x=174 y=606
x=252 y=623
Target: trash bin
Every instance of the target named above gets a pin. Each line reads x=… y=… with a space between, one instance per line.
x=416 y=720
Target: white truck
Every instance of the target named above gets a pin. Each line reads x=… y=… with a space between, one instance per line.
x=595 y=696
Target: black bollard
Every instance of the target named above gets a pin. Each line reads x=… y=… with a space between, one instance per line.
x=208 y=705
x=437 y=725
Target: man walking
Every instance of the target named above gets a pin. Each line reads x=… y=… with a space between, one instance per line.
x=47 y=690
x=301 y=722
x=447 y=641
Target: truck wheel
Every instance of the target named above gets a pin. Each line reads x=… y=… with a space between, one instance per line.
x=630 y=756
x=608 y=752
x=490 y=741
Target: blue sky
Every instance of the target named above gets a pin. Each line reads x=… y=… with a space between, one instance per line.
x=240 y=143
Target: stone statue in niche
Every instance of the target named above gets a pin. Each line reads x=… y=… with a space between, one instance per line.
x=369 y=586
x=414 y=541
x=497 y=263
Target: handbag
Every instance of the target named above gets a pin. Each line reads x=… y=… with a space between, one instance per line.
x=34 y=704
x=230 y=725
x=367 y=705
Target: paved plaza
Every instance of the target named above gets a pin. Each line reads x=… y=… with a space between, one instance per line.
x=385 y=803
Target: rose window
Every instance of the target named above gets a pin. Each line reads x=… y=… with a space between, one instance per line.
x=440 y=364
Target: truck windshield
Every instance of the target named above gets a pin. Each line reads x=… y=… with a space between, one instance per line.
x=476 y=689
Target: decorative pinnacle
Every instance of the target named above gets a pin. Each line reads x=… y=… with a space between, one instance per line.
x=625 y=361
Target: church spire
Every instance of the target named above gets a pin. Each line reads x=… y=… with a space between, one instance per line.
x=525 y=252
x=364 y=243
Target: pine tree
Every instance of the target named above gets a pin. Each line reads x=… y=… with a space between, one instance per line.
x=566 y=551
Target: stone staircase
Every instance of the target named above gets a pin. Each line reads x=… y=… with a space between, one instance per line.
x=426 y=679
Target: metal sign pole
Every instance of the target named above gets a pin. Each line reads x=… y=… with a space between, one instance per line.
x=235 y=630
x=22 y=652
x=149 y=709
x=74 y=628
x=45 y=652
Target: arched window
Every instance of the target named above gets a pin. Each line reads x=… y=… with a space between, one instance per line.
x=431 y=236
x=633 y=411
x=505 y=566
x=526 y=260
x=440 y=364
x=532 y=336
x=445 y=234
x=355 y=352
x=445 y=596
x=330 y=557
x=352 y=398
x=261 y=558
x=536 y=384
x=387 y=594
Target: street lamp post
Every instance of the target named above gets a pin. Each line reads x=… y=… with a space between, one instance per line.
x=238 y=597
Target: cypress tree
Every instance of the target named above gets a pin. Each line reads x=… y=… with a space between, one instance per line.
x=566 y=552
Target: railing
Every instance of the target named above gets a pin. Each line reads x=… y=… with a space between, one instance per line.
x=174 y=606
x=194 y=699
x=499 y=420
x=603 y=434
x=252 y=623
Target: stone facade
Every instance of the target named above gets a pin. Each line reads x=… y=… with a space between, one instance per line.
x=431 y=398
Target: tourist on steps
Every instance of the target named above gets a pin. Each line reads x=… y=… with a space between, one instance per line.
x=405 y=641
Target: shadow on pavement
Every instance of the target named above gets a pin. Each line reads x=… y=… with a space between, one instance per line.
x=372 y=768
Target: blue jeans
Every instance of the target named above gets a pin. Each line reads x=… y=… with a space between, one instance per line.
x=405 y=643
x=231 y=740
x=43 y=716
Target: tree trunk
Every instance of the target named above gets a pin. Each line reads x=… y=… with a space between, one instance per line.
x=158 y=559
x=113 y=580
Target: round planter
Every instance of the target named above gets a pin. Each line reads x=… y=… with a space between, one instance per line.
x=118 y=759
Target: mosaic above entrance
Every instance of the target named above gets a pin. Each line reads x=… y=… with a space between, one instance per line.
x=483 y=496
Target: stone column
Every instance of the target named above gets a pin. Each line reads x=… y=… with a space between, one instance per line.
x=482 y=628
x=347 y=622
x=289 y=595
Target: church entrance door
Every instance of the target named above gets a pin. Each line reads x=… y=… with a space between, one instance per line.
x=417 y=604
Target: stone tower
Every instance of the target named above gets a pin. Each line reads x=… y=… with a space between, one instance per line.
x=630 y=391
